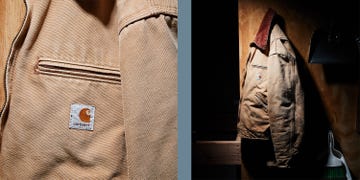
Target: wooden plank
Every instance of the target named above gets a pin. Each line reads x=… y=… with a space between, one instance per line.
x=217 y=152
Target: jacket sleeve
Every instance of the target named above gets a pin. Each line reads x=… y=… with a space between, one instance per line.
x=282 y=88
x=148 y=50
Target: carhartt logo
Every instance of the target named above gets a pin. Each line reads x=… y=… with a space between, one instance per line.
x=258 y=76
x=85 y=115
x=82 y=117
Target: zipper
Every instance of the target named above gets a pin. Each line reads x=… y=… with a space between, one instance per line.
x=7 y=66
x=66 y=69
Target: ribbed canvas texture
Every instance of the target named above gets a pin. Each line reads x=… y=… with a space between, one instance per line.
x=152 y=111
x=129 y=76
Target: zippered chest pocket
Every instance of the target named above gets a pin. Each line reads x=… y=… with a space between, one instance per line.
x=66 y=69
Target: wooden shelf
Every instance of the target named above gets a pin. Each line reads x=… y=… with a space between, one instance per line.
x=217 y=152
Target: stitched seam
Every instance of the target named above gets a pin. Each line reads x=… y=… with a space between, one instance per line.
x=73 y=61
x=144 y=13
x=76 y=78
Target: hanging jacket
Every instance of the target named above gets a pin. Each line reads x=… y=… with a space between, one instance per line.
x=91 y=91
x=272 y=100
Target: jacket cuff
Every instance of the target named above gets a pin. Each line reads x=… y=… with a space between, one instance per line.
x=282 y=163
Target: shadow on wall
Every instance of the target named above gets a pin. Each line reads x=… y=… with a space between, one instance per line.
x=313 y=155
x=341 y=73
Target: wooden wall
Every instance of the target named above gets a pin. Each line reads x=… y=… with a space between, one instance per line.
x=339 y=95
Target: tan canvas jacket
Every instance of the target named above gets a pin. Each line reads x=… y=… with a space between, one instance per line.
x=91 y=91
x=271 y=100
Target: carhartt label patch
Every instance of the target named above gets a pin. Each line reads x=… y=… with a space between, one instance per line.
x=258 y=76
x=82 y=117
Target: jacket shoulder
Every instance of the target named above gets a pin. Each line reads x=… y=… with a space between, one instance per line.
x=135 y=10
x=280 y=44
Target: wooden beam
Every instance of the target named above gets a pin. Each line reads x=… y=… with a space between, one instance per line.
x=217 y=152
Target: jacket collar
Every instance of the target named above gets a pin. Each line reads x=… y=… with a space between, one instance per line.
x=262 y=36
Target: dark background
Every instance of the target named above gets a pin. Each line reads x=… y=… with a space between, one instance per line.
x=215 y=79
x=215 y=69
